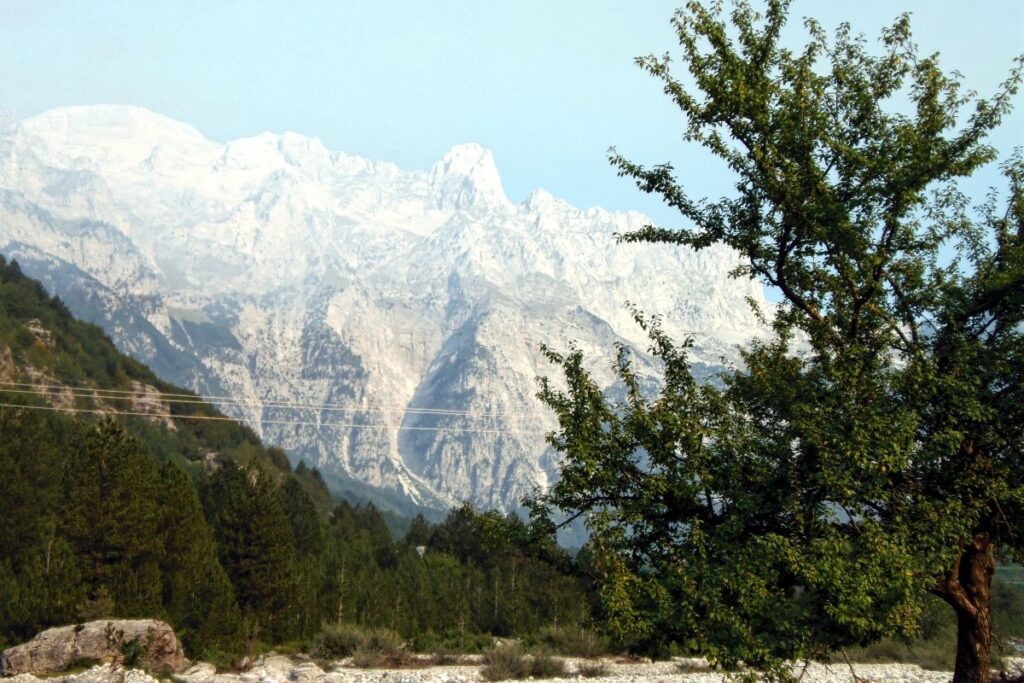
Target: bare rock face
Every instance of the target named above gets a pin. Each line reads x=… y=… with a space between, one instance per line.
x=383 y=325
x=6 y=364
x=140 y=642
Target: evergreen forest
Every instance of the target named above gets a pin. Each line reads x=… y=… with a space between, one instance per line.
x=191 y=520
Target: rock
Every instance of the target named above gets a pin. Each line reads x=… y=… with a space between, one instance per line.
x=6 y=364
x=199 y=672
x=22 y=678
x=136 y=676
x=105 y=673
x=110 y=641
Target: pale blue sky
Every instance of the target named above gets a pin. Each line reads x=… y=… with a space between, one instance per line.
x=548 y=85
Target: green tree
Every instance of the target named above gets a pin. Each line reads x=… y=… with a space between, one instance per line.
x=419 y=532
x=307 y=575
x=111 y=518
x=197 y=593
x=871 y=451
x=254 y=541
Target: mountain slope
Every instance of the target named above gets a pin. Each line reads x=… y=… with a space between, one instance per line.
x=51 y=362
x=383 y=325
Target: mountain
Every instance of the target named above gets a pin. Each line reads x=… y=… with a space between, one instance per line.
x=69 y=374
x=382 y=325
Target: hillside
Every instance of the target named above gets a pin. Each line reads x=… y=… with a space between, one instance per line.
x=53 y=362
x=124 y=496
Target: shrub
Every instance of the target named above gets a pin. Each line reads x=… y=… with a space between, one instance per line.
x=386 y=642
x=367 y=658
x=546 y=666
x=505 y=662
x=508 y=662
x=131 y=652
x=573 y=641
x=336 y=641
x=443 y=657
x=692 y=666
x=376 y=648
x=1014 y=676
x=592 y=669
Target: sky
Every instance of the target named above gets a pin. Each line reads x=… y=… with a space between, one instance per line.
x=547 y=85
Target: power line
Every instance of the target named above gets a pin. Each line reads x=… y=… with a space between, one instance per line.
x=341 y=425
x=121 y=394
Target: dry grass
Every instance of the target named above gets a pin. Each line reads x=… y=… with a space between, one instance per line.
x=595 y=669
x=509 y=662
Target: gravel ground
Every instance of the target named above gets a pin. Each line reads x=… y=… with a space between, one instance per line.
x=279 y=669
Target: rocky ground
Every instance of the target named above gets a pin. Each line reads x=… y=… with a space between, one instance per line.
x=280 y=669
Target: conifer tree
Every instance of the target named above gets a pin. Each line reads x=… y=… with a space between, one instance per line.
x=307 y=575
x=419 y=532
x=111 y=518
x=197 y=593
x=254 y=541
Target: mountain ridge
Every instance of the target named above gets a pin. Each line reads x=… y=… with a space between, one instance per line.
x=270 y=268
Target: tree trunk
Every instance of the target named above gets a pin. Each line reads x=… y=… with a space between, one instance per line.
x=969 y=590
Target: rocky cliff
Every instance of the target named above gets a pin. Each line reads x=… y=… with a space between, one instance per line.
x=381 y=324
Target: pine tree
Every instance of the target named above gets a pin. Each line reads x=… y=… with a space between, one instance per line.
x=254 y=540
x=197 y=593
x=307 y=575
x=112 y=520
x=419 y=532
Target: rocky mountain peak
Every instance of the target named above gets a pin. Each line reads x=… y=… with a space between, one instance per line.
x=467 y=175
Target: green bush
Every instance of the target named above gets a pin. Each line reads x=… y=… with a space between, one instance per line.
x=131 y=652
x=467 y=643
x=336 y=641
x=80 y=664
x=935 y=654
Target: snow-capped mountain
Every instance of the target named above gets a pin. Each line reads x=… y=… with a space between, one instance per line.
x=378 y=323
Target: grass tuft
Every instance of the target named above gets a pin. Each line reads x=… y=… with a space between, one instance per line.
x=573 y=641
x=369 y=648
x=596 y=669
x=508 y=662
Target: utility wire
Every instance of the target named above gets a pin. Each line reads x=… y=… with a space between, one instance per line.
x=341 y=425
x=121 y=394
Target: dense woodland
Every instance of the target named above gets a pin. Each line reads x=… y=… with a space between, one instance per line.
x=206 y=528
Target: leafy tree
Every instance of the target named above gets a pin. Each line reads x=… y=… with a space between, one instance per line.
x=870 y=452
